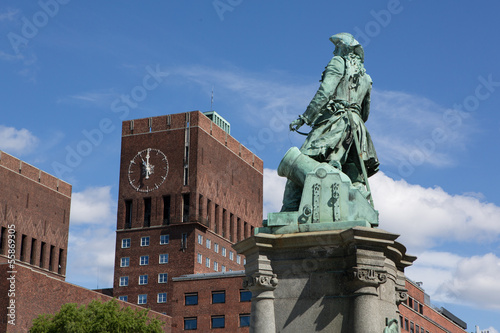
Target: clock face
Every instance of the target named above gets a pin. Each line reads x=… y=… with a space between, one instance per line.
x=148 y=170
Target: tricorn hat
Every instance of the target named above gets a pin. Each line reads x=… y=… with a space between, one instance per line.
x=349 y=41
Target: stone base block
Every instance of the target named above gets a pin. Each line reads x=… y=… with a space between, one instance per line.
x=343 y=281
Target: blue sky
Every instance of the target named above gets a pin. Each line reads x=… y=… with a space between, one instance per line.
x=73 y=70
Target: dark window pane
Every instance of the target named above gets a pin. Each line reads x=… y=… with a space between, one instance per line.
x=244 y=320
x=218 y=297
x=245 y=296
x=190 y=323
x=191 y=299
x=218 y=322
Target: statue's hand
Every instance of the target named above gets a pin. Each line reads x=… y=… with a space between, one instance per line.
x=296 y=124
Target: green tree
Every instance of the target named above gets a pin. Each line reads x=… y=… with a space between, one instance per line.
x=97 y=317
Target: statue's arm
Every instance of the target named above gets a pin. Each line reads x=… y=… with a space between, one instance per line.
x=333 y=74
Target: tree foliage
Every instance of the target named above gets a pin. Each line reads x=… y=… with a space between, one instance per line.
x=97 y=317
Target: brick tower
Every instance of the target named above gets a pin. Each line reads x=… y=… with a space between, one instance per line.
x=188 y=191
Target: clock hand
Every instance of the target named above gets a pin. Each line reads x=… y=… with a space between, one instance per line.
x=148 y=166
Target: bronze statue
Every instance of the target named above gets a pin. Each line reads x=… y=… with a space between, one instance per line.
x=337 y=114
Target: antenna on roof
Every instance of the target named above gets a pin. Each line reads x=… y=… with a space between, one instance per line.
x=212 y=100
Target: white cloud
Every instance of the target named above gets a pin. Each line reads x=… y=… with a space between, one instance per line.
x=9 y=15
x=410 y=130
x=427 y=216
x=91 y=254
x=101 y=99
x=474 y=281
x=16 y=141
x=449 y=278
x=94 y=205
x=91 y=243
x=274 y=187
x=491 y=330
x=257 y=97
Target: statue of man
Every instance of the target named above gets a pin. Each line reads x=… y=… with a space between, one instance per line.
x=336 y=113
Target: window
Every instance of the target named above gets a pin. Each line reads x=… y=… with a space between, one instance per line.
x=410 y=302
x=401 y=321
x=223 y=251
x=190 y=323
x=162 y=278
x=238 y=259
x=184 y=241
x=142 y=299
x=218 y=322
x=223 y=268
x=207 y=262
x=147 y=212
x=164 y=239
x=123 y=281
x=231 y=255
x=185 y=210
x=163 y=258
x=417 y=328
x=244 y=261
x=412 y=328
x=145 y=241
x=144 y=260
x=209 y=243
x=162 y=298
x=61 y=253
x=123 y=298
x=33 y=249
x=218 y=297
x=128 y=214
x=125 y=243
x=216 y=266
x=421 y=309
x=200 y=258
x=245 y=296
x=166 y=209
x=244 y=320
x=200 y=239
x=216 y=248
x=191 y=299
x=124 y=262
x=406 y=325
x=143 y=279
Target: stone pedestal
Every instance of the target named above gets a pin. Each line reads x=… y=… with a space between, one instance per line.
x=342 y=281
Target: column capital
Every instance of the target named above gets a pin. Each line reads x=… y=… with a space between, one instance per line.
x=260 y=281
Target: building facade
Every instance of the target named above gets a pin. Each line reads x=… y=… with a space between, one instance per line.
x=34 y=211
x=417 y=315
x=187 y=192
x=34 y=224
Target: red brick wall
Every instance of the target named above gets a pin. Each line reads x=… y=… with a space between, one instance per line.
x=222 y=173
x=39 y=206
x=37 y=293
x=422 y=315
x=231 y=309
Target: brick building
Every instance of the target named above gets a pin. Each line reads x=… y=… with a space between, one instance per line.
x=35 y=206
x=34 y=224
x=188 y=191
x=417 y=315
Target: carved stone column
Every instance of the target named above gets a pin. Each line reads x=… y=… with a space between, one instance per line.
x=262 y=286
x=343 y=281
x=365 y=284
